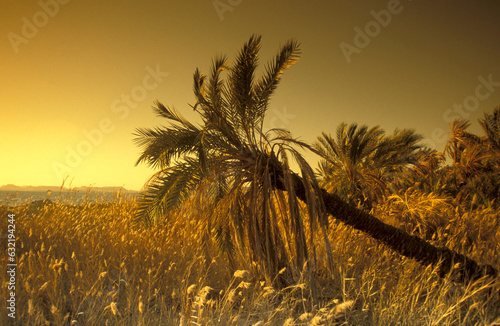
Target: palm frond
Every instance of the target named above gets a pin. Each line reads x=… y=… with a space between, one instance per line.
x=167 y=188
x=241 y=79
x=491 y=127
x=265 y=87
x=161 y=145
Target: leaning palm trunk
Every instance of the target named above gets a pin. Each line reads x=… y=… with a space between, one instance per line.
x=408 y=245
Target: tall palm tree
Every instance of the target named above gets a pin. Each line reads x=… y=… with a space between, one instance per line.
x=253 y=193
x=360 y=163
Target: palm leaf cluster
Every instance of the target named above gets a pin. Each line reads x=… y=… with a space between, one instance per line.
x=474 y=176
x=360 y=164
x=364 y=166
x=230 y=163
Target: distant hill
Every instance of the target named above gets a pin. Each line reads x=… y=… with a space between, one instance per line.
x=11 y=187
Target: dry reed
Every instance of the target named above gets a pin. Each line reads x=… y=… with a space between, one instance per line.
x=87 y=264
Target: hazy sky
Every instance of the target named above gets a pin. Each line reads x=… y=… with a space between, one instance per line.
x=79 y=76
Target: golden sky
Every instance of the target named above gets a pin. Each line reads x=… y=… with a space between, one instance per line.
x=79 y=76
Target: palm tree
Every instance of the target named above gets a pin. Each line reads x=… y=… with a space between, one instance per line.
x=234 y=164
x=460 y=140
x=476 y=162
x=427 y=173
x=360 y=163
x=491 y=126
x=244 y=171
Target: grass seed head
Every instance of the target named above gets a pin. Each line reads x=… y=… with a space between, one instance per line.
x=241 y=274
x=191 y=288
x=113 y=306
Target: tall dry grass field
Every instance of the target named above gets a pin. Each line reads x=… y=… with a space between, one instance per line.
x=88 y=264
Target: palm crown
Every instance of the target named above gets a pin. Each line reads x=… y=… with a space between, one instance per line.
x=474 y=175
x=360 y=162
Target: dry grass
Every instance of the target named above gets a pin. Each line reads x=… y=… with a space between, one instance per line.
x=87 y=265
